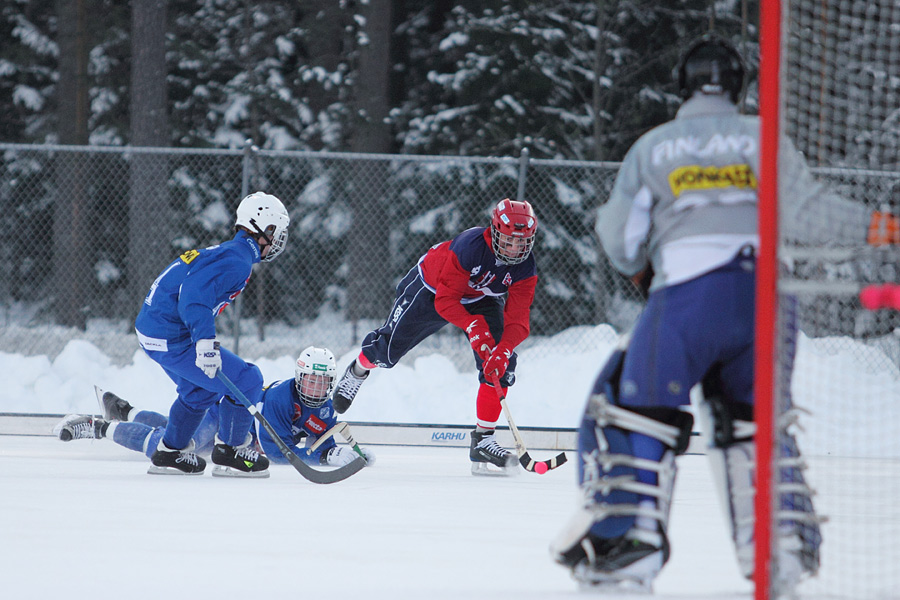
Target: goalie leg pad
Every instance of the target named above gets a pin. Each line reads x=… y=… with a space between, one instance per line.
x=733 y=465
x=797 y=531
x=626 y=466
x=732 y=455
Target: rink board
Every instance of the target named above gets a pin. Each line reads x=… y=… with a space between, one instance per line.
x=387 y=434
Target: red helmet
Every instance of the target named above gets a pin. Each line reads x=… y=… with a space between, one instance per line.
x=513 y=227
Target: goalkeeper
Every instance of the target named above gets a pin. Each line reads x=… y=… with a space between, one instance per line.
x=681 y=221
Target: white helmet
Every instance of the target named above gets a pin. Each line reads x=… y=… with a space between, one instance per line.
x=314 y=376
x=265 y=215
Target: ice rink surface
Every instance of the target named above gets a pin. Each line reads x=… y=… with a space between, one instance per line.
x=84 y=520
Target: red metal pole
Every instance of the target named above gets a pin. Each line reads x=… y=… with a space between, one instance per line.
x=766 y=288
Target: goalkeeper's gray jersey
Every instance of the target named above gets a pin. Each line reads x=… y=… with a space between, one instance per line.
x=685 y=197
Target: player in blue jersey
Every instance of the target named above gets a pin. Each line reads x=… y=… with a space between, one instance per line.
x=299 y=410
x=482 y=281
x=176 y=328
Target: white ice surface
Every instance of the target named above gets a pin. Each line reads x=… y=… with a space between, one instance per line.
x=84 y=520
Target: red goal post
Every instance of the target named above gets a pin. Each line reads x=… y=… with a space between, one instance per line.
x=766 y=288
x=829 y=80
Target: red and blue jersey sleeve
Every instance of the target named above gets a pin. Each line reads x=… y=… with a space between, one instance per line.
x=465 y=270
x=517 y=313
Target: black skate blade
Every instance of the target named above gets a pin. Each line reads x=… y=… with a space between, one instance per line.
x=223 y=471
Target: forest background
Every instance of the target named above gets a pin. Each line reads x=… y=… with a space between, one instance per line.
x=341 y=101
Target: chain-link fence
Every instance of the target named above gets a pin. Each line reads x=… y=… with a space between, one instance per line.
x=88 y=229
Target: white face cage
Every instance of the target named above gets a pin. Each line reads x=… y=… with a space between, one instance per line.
x=315 y=375
x=314 y=389
x=265 y=215
x=277 y=240
x=510 y=249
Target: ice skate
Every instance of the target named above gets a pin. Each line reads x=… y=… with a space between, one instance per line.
x=347 y=388
x=80 y=427
x=239 y=461
x=628 y=563
x=489 y=458
x=114 y=408
x=169 y=461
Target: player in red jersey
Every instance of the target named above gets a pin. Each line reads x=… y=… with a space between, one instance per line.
x=482 y=281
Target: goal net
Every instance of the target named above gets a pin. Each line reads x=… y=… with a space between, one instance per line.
x=833 y=76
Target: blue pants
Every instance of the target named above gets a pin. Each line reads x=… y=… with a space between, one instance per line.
x=687 y=329
x=197 y=393
x=413 y=318
x=685 y=332
x=134 y=434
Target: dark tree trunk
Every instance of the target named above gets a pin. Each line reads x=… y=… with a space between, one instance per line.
x=72 y=275
x=370 y=289
x=323 y=21
x=149 y=231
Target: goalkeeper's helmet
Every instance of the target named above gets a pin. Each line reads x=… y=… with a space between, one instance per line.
x=264 y=215
x=513 y=227
x=314 y=376
x=711 y=65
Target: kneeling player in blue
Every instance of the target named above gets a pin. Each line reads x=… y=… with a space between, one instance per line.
x=482 y=281
x=300 y=411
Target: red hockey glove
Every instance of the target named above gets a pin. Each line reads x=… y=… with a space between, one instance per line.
x=480 y=337
x=495 y=367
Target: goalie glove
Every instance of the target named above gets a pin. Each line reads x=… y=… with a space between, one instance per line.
x=480 y=337
x=209 y=358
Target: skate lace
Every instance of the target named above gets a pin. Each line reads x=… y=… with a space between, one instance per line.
x=247 y=453
x=490 y=445
x=348 y=386
x=85 y=429
x=187 y=457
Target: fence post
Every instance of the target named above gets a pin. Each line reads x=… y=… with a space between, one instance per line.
x=523 y=174
x=245 y=189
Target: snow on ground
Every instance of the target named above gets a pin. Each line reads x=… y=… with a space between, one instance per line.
x=83 y=520
x=424 y=388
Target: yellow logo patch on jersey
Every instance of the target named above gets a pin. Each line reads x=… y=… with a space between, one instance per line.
x=695 y=177
x=190 y=255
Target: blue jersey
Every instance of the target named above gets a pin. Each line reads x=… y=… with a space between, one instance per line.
x=294 y=422
x=185 y=299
